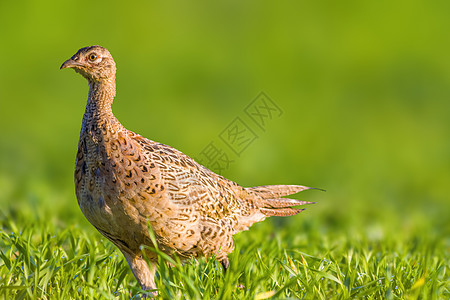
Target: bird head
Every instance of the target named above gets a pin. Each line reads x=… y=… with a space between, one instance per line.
x=95 y=63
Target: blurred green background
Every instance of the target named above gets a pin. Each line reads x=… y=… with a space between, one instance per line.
x=364 y=87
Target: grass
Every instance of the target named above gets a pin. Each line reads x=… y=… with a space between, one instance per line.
x=304 y=260
x=364 y=90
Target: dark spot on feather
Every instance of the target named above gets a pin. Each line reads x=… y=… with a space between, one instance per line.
x=122 y=242
x=101 y=202
x=83 y=168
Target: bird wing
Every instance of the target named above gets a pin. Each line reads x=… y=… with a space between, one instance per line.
x=195 y=202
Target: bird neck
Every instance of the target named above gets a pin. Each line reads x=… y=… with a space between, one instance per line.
x=101 y=96
x=98 y=107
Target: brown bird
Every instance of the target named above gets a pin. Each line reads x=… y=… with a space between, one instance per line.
x=124 y=182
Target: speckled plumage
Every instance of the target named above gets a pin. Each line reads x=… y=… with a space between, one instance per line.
x=124 y=181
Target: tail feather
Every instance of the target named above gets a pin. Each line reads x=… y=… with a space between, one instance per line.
x=270 y=202
x=281 y=203
x=277 y=191
x=281 y=212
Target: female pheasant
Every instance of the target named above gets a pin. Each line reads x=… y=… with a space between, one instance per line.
x=124 y=181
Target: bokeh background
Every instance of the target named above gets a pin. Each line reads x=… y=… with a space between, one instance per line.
x=364 y=87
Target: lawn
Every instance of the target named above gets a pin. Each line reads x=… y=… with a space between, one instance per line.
x=314 y=255
x=360 y=96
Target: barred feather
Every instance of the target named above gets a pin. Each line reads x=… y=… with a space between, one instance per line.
x=280 y=212
x=277 y=191
x=270 y=202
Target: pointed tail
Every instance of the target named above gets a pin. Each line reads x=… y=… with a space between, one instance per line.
x=270 y=202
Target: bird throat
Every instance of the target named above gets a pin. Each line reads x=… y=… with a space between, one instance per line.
x=98 y=106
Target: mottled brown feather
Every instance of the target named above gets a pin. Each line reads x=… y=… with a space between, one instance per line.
x=124 y=182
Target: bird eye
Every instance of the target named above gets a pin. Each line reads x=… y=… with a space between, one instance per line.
x=92 y=56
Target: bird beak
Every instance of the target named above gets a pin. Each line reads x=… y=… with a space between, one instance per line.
x=70 y=63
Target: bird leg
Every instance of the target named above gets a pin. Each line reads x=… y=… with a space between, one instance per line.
x=225 y=263
x=144 y=273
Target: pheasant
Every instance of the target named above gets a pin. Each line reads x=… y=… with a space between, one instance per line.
x=126 y=183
